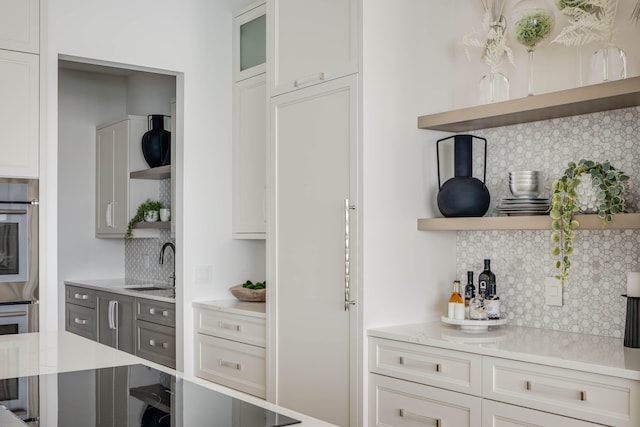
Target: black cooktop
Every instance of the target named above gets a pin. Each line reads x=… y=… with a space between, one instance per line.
x=139 y=396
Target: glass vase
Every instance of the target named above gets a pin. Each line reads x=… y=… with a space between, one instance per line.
x=494 y=87
x=608 y=63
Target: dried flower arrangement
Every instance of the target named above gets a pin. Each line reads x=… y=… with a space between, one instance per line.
x=492 y=40
x=590 y=20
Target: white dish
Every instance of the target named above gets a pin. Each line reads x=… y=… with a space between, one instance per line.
x=473 y=325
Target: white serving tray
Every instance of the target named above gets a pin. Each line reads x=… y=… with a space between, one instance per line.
x=474 y=325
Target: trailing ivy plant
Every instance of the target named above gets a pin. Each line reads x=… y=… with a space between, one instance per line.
x=148 y=206
x=609 y=183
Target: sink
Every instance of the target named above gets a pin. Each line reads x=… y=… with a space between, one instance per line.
x=149 y=288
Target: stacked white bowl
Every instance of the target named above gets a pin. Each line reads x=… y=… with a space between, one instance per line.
x=524 y=184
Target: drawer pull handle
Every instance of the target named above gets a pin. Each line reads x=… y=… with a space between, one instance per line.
x=81 y=296
x=152 y=311
x=153 y=343
x=231 y=326
x=582 y=395
x=420 y=418
x=303 y=81
x=79 y=321
x=228 y=364
x=437 y=366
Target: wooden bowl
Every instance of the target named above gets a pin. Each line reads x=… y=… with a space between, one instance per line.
x=246 y=294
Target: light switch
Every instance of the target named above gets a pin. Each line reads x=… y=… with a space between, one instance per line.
x=552 y=291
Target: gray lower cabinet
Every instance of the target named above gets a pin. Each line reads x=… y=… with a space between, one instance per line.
x=116 y=319
x=140 y=326
x=156 y=332
x=80 y=312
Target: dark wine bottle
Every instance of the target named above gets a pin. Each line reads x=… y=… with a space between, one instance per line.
x=487 y=281
x=469 y=289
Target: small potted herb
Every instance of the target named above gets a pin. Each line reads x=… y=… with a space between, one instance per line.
x=609 y=184
x=143 y=209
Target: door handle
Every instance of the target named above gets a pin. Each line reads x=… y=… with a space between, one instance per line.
x=348 y=302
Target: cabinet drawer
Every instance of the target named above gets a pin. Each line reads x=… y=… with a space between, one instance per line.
x=244 y=329
x=163 y=313
x=81 y=321
x=496 y=414
x=233 y=364
x=437 y=367
x=401 y=403
x=156 y=343
x=582 y=395
x=81 y=296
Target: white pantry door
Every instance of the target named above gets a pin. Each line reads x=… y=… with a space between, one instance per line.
x=314 y=158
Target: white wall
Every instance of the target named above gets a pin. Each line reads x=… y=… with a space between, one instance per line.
x=192 y=39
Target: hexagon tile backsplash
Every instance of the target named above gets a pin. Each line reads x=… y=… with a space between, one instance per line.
x=592 y=301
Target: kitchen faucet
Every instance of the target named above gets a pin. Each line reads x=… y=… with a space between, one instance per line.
x=161 y=260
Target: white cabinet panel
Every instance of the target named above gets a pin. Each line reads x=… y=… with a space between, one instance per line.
x=19 y=25
x=249 y=158
x=598 y=398
x=312 y=41
x=496 y=414
x=436 y=367
x=315 y=148
x=19 y=114
x=404 y=404
x=233 y=364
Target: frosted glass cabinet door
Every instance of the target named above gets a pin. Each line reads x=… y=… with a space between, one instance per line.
x=312 y=41
x=19 y=25
x=250 y=42
x=19 y=114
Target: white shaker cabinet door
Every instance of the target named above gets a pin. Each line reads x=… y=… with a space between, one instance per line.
x=19 y=114
x=311 y=42
x=497 y=414
x=315 y=156
x=249 y=158
x=20 y=25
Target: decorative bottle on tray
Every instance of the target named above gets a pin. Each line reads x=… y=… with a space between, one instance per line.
x=456 y=303
x=469 y=293
x=487 y=280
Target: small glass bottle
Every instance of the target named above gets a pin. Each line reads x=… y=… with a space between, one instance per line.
x=476 y=309
x=456 y=303
x=469 y=293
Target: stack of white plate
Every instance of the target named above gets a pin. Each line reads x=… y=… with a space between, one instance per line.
x=525 y=200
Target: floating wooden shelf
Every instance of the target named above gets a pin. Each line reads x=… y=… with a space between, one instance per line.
x=537 y=222
x=155 y=224
x=161 y=172
x=583 y=100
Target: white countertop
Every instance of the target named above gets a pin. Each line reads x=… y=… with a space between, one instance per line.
x=126 y=287
x=590 y=353
x=51 y=352
x=245 y=308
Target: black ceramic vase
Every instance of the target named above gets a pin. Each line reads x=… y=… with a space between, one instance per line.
x=463 y=195
x=156 y=142
x=632 y=325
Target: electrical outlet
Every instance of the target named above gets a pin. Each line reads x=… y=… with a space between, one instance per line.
x=552 y=291
x=203 y=274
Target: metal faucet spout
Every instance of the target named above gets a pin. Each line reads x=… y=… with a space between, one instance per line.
x=161 y=260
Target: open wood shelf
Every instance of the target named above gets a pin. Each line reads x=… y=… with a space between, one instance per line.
x=583 y=100
x=155 y=224
x=537 y=222
x=161 y=172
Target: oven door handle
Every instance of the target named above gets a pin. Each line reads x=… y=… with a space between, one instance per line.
x=13 y=314
x=13 y=212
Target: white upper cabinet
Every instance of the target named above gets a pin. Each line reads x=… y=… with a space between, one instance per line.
x=310 y=42
x=250 y=42
x=19 y=25
x=19 y=113
x=249 y=158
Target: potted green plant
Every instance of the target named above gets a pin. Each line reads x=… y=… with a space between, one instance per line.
x=148 y=206
x=609 y=185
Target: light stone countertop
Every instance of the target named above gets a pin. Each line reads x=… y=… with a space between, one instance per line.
x=234 y=306
x=126 y=286
x=589 y=353
x=41 y=353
